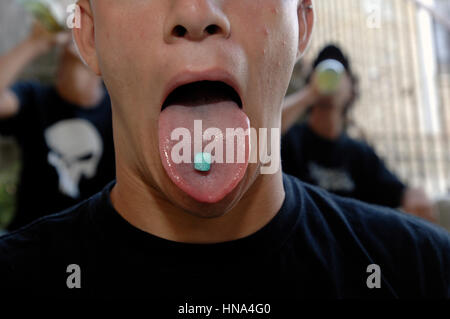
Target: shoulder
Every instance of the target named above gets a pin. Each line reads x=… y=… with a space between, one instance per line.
x=34 y=259
x=293 y=138
x=296 y=129
x=41 y=230
x=413 y=254
x=406 y=247
x=367 y=220
x=25 y=251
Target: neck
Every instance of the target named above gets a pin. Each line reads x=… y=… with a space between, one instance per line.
x=76 y=84
x=326 y=122
x=149 y=210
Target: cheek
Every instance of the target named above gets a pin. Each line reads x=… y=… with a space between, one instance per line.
x=271 y=43
x=119 y=42
x=280 y=33
x=269 y=27
x=126 y=48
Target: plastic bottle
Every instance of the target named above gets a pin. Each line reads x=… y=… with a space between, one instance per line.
x=50 y=13
x=328 y=76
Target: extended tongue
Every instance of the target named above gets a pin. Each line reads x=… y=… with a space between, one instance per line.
x=181 y=129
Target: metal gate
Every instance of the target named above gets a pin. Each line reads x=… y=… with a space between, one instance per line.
x=400 y=50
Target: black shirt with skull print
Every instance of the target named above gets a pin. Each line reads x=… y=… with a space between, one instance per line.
x=67 y=151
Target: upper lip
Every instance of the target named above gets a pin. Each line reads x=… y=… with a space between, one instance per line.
x=216 y=75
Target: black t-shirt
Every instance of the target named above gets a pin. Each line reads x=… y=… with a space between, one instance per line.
x=318 y=245
x=345 y=166
x=67 y=151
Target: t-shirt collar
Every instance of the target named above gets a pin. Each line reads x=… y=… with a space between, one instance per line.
x=115 y=230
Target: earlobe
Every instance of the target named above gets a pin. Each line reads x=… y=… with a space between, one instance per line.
x=84 y=37
x=306 y=19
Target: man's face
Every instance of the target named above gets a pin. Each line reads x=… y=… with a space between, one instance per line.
x=143 y=47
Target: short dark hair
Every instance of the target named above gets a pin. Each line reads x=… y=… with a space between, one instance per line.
x=332 y=51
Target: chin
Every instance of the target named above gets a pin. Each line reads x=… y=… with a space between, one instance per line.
x=210 y=209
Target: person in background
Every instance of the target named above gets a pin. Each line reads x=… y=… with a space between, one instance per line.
x=320 y=152
x=64 y=130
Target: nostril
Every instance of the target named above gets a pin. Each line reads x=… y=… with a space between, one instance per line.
x=212 y=29
x=179 y=31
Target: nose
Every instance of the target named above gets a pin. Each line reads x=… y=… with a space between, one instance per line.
x=196 y=20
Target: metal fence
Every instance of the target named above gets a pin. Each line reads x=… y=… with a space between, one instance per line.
x=400 y=50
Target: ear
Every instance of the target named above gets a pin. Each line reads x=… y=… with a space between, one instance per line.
x=306 y=19
x=84 y=36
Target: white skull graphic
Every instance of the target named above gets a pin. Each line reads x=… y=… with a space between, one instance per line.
x=75 y=150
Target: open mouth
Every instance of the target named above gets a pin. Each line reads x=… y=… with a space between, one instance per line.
x=202 y=93
x=194 y=123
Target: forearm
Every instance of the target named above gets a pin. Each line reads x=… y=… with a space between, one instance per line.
x=294 y=106
x=13 y=62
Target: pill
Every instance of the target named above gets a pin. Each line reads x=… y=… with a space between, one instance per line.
x=202 y=162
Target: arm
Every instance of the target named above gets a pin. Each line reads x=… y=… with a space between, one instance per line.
x=416 y=202
x=388 y=190
x=12 y=63
x=295 y=105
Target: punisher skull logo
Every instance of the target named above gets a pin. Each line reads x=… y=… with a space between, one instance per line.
x=75 y=151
